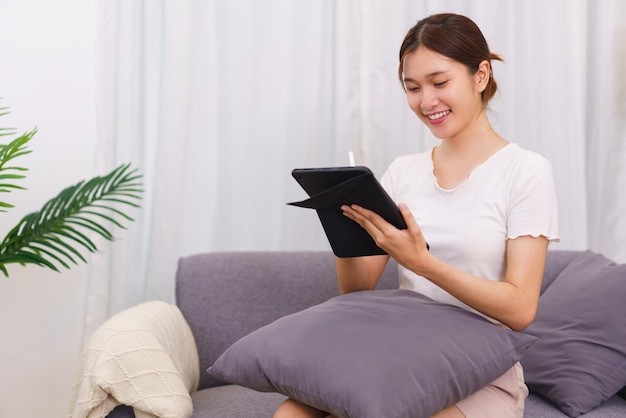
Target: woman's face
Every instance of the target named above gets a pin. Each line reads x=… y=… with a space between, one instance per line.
x=442 y=92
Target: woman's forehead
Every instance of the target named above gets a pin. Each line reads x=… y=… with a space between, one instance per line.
x=425 y=63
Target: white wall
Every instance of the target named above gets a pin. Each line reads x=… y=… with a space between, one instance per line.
x=46 y=78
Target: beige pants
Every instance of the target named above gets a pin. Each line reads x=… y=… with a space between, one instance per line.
x=502 y=398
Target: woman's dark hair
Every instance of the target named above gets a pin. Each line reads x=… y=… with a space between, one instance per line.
x=455 y=36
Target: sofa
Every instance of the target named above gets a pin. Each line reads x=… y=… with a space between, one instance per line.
x=226 y=296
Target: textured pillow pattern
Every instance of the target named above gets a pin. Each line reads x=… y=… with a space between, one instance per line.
x=144 y=357
x=579 y=360
x=391 y=353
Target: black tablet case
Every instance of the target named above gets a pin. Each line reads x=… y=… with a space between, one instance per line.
x=346 y=237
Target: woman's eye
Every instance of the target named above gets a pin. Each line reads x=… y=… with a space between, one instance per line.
x=441 y=84
x=413 y=89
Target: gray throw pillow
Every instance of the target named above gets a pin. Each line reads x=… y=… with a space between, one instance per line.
x=579 y=360
x=381 y=353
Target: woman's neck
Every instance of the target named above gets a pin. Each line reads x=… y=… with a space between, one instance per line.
x=474 y=144
x=455 y=158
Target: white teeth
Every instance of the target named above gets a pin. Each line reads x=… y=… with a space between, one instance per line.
x=438 y=115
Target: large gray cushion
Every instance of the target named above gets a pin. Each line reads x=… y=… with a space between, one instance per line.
x=555 y=263
x=224 y=296
x=372 y=354
x=579 y=360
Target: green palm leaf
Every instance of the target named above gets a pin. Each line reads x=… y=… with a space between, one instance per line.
x=8 y=152
x=51 y=236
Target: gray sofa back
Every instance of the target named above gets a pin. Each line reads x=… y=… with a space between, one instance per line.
x=225 y=296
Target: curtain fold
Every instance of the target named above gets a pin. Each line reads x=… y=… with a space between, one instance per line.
x=606 y=127
x=218 y=101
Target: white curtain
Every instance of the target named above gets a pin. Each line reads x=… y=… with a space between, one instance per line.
x=217 y=101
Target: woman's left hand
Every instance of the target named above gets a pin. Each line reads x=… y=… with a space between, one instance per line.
x=407 y=246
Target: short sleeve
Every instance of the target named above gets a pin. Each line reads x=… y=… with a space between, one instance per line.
x=533 y=206
x=412 y=166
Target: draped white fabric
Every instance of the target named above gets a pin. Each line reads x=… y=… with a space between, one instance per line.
x=216 y=102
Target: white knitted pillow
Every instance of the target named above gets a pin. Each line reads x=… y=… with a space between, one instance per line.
x=144 y=357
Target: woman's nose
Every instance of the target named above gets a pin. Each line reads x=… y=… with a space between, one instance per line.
x=429 y=98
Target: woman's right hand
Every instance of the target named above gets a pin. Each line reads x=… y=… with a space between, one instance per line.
x=407 y=246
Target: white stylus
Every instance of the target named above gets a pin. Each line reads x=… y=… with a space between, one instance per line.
x=351 y=158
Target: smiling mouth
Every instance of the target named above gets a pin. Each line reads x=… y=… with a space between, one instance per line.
x=438 y=115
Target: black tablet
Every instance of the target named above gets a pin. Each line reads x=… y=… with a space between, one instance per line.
x=331 y=187
x=316 y=180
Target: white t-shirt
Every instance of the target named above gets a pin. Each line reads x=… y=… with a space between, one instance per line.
x=509 y=195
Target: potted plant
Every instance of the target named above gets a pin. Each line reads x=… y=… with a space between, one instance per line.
x=56 y=234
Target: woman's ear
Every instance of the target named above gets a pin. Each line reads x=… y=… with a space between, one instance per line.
x=482 y=75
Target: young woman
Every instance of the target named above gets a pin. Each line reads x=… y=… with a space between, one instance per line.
x=486 y=206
